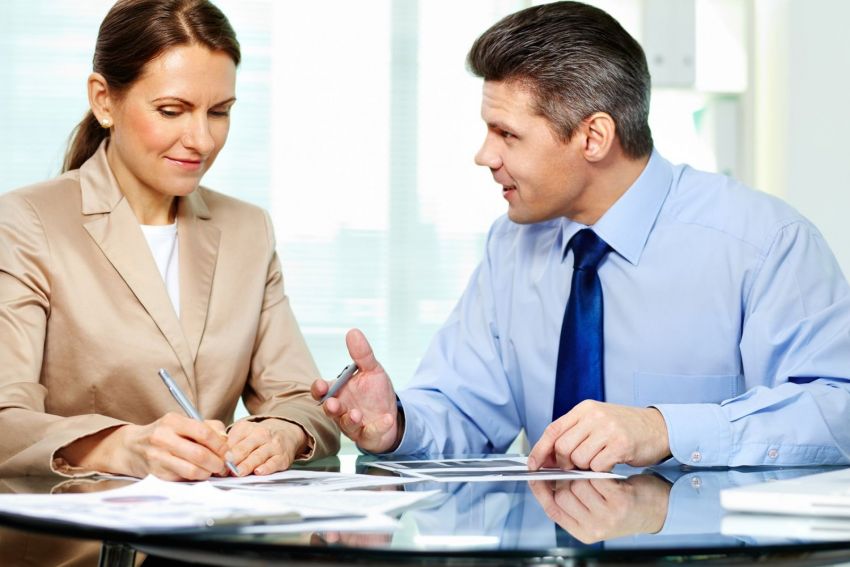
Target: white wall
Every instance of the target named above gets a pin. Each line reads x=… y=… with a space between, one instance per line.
x=802 y=61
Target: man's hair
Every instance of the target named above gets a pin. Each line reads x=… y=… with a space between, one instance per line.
x=575 y=60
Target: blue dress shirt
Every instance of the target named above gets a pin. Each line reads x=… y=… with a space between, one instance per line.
x=724 y=308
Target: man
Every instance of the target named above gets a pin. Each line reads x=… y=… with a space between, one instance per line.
x=704 y=321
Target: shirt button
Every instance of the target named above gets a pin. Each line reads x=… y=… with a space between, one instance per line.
x=696 y=482
x=773 y=453
x=696 y=457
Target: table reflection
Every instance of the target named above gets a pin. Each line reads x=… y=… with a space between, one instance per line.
x=664 y=507
x=656 y=508
x=32 y=549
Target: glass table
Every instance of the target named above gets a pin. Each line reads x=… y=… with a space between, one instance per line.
x=653 y=515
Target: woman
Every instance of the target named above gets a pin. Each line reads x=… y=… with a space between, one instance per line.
x=124 y=265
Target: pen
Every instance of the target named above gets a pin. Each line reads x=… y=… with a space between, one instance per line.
x=340 y=381
x=275 y=519
x=187 y=406
x=253 y=520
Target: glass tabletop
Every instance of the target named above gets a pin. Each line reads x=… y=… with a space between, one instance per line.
x=671 y=513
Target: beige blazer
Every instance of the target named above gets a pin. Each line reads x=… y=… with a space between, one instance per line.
x=86 y=321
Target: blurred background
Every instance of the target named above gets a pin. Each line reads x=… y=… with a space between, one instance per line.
x=357 y=123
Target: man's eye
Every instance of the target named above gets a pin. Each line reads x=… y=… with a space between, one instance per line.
x=507 y=134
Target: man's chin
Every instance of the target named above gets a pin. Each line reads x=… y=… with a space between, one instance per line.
x=521 y=217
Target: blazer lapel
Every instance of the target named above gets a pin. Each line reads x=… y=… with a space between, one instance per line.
x=116 y=231
x=198 y=241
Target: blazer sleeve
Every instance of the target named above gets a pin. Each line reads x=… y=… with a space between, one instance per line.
x=30 y=433
x=282 y=368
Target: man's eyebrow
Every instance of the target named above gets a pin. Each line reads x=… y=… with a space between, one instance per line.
x=499 y=125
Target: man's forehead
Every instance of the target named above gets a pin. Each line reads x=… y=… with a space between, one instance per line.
x=506 y=100
x=506 y=94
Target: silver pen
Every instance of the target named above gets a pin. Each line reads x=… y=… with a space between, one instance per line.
x=187 y=406
x=341 y=380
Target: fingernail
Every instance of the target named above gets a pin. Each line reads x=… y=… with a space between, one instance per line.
x=532 y=464
x=229 y=456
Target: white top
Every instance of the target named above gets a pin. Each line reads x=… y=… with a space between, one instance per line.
x=162 y=240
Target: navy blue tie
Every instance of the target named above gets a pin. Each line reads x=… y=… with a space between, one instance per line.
x=580 y=373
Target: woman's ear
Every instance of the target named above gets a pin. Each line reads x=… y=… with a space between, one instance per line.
x=600 y=132
x=100 y=100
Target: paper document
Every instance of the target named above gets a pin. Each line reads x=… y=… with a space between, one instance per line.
x=152 y=505
x=784 y=527
x=312 y=480
x=486 y=469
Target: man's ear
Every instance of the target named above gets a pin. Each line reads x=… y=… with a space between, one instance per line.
x=600 y=131
x=100 y=99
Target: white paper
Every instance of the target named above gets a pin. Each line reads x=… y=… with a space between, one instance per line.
x=487 y=469
x=358 y=501
x=784 y=527
x=153 y=505
x=312 y=480
x=147 y=505
x=465 y=464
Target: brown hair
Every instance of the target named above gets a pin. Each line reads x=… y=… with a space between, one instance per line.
x=135 y=32
x=576 y=60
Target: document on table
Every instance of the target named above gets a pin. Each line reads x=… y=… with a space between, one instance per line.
x=781 y=527
x=485 y=469
x=153 y=505
x=313 y=480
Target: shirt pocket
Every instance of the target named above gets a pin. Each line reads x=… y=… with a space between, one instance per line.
x=685 y=388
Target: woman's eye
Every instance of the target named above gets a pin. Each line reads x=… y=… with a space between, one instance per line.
x=220 y=113
x=169 y=112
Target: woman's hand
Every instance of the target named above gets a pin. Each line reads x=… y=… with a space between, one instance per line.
x=265 y=447
x=174 y=447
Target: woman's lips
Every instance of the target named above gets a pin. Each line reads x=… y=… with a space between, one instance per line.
x=186 y=164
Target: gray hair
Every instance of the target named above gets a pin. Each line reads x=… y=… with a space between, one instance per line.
x=575 y=60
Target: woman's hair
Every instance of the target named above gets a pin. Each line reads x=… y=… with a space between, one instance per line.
x=136 y=32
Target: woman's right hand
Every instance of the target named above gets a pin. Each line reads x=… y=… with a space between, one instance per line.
x=174 y=447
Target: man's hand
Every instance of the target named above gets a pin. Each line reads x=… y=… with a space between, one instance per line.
x=597 y=435
x=365 y=409
x=598 y=509
x=265 y=447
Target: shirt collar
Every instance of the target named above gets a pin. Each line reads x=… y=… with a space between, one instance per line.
x=627 y=224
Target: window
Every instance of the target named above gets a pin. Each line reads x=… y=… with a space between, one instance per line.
x=356 y=127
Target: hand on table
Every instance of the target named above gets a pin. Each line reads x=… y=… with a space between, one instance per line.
x=365 y=409
x=598 y=435
x=174 y=447
x=593 y=510
x=266 y=446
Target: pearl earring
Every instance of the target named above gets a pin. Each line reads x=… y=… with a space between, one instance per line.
x=106 y=122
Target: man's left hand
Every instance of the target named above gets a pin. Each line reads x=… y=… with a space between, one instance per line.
x=598 y=435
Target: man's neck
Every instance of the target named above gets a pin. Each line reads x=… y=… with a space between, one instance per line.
x=611 y=178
